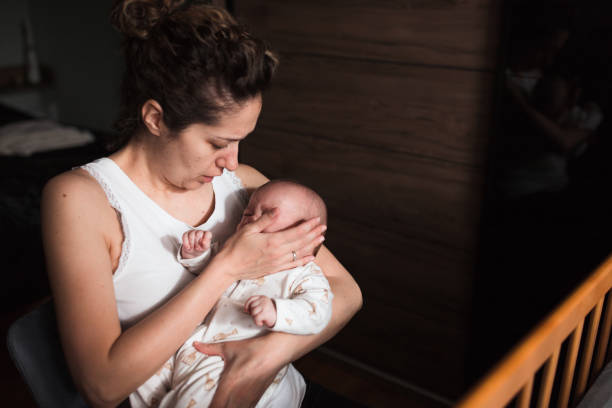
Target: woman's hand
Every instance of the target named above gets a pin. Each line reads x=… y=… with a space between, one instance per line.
x=247 y=373
x=251 y=253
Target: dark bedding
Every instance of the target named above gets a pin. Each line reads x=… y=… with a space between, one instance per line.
x=20 y=189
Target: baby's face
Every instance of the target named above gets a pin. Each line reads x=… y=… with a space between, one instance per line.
x=265 y=201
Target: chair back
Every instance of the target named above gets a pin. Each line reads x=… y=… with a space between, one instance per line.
x=33 y=343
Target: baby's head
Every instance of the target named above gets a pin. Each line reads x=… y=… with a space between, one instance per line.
x=295 y=202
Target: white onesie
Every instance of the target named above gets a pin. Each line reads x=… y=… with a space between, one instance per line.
x=303 y=305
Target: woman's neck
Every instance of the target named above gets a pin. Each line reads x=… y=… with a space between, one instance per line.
x=138 y=163
x=138 y=160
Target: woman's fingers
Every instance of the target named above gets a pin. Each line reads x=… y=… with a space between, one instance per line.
x=210 y=349
x=307 y=235
x=245 y=376
x=300 y=230
x=262 y=222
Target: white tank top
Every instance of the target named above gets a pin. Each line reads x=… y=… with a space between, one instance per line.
x=148 y=273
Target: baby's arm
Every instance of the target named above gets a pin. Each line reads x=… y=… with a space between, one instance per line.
x=195 y=249
x=306 y=311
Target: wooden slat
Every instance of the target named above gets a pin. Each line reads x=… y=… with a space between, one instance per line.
x=548 y=379
x=435 y=32
x=525 y=395
x=427 y=112
x=506 y=379
x=604 y=337
x=585 y=362
x=567 y=378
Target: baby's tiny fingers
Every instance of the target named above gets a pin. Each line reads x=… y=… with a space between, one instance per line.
x=249 y=303
x=207 y=236
x=186 y=245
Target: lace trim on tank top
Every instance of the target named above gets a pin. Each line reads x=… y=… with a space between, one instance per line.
x=244 y=194
x=110 y=196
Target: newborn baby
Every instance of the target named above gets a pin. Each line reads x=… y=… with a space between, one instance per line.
x=294 y=301
x=296 y=203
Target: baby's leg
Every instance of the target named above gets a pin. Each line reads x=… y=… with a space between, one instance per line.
x=150 y=394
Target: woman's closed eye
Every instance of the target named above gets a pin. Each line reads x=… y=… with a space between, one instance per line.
x=219 y=146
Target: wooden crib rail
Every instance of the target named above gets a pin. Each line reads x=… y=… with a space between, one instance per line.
x=513 y=378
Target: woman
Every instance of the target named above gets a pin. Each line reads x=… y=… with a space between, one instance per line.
x=191 y=92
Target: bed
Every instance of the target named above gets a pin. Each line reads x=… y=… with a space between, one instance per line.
x=563 y=362
x=20 y=187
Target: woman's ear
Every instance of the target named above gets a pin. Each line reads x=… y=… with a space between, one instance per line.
x=153 y=117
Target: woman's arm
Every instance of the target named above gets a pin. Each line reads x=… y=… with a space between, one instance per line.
x=250 y=365
x=80 y=232
x=107 y=364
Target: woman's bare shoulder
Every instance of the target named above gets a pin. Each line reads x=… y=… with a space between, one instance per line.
x=75 y=185
x=251 y=178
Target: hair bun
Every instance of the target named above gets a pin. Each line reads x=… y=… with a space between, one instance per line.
x=136 y=18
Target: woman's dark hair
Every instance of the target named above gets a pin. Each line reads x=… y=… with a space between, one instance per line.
x=192 y=58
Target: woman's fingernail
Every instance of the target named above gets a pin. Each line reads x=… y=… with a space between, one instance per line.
x=324 y=228
x=321 y=239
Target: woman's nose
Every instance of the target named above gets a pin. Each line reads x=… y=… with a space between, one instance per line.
x=229 y=160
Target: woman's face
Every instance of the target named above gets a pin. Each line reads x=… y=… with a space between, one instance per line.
x=201 y=152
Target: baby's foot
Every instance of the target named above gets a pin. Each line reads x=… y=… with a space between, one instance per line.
x=195 y=242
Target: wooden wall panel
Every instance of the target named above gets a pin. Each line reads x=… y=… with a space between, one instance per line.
x=424 y=111
x=384 y=108
x=407 y=215
x=453 y=33
x=413 y=196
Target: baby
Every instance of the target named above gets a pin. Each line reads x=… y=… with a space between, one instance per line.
x=296 y=301
x=296 y=203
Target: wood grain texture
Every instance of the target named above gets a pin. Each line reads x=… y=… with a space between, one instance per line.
x=414 y=303
x=384 y=108
x=454 y=33
x=409 y=244
x=430 y=112
x=360 y=386
x=434 y=202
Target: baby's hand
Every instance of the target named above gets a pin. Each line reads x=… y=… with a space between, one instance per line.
x=195 y=242
x=263 y=310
